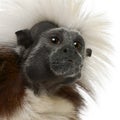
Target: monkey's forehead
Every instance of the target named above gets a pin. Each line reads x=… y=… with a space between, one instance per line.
x=64 y=30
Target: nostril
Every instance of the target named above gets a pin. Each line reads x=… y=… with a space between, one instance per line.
x=65 y=50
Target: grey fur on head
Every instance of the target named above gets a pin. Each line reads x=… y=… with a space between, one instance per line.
x=52 y=56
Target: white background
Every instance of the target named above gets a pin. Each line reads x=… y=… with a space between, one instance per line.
x=107 y=106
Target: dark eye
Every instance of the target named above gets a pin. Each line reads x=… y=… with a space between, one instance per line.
x=55 y=40
x=77 y=44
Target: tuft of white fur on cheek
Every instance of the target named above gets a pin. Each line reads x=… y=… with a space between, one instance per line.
x=44 y=107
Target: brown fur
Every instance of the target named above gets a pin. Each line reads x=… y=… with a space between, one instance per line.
x=11 y=82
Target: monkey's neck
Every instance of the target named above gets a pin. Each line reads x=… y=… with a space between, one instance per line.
x=11 y=83
x=71 y=94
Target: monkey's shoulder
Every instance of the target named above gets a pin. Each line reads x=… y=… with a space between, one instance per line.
x=9 y=61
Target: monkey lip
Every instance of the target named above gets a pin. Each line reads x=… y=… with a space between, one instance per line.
x=63 y=62
x=64 y=68
x=71 y=61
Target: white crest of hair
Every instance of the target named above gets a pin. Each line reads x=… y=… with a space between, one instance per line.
x=21 y=14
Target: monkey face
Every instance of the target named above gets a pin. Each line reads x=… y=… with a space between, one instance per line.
x=67 y=58
x=52 y=56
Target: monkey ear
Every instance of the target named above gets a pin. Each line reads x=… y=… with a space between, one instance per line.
x=88 y=52
x=24 y=38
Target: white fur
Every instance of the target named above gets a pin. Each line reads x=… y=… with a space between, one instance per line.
x=21 y=14
x=44 y=107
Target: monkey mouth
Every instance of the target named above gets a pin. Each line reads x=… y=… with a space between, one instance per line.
x=64 y=68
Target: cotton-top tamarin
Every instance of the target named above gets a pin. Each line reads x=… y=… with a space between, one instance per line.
x=49 y=61
x=45 y=63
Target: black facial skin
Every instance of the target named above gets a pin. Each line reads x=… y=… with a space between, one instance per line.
x=52 y=56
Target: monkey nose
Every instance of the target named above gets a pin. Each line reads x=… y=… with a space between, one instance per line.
x=68 y=49
x=65 y=50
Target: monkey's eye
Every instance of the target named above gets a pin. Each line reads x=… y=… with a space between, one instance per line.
x=77 y=44
x=55 y=40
